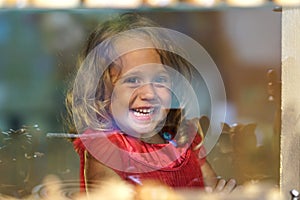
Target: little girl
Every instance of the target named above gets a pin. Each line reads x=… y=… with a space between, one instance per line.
x=130 y=103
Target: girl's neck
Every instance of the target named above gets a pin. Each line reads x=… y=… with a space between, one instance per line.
x=155 y=139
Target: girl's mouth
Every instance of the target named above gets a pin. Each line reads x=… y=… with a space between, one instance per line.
x=143 y=112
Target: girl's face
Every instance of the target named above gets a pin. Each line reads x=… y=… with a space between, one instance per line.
x=141 y=97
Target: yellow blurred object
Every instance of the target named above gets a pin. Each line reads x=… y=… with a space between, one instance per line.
x=55 y=3
x=112 y=4
x=205 y=3
x=160 y=3
x=153 y=190
x=8 y=3
x=245 y=3
x=13 y=3
x=110 y=189
x=288 y=2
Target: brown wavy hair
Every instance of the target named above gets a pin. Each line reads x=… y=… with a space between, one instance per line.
x=98 y=101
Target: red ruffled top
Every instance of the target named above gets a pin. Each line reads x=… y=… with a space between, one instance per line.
x=135 y=160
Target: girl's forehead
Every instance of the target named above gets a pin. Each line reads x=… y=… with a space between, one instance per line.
x=138 y=59
x=128 y=43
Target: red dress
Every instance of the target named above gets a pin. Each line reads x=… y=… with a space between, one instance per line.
x=135 y=160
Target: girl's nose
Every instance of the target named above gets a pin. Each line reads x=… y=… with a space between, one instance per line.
x=147 y=92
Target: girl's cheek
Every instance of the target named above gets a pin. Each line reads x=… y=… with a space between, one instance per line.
x=168 y=98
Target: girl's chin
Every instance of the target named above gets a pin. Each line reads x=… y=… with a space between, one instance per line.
x=142 y=130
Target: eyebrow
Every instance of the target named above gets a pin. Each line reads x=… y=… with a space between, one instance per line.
x=135 y=72
x=141 y=73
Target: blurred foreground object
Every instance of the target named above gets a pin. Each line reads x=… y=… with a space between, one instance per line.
x=55 y=3
x=245 y=2
x=17 y=152
x=160 y=3
x=110 y=189
x=205 y=3
x=39 y=3
x=112 y=4
x=152 y=190
x=288 y=2
x=13 y=3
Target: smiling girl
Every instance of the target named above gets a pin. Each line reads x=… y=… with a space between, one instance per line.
x=127 y=104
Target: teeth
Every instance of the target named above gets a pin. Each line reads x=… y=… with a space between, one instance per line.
x=143 y=112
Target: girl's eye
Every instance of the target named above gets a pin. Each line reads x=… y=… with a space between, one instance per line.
x=160 y=79
x=132 y=80
x=163 y=81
